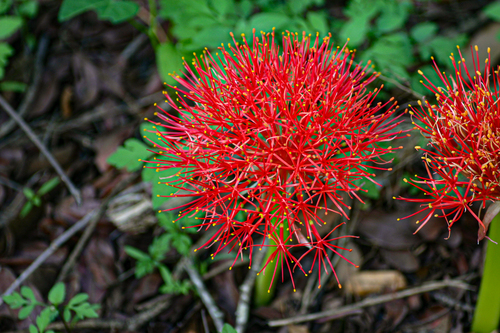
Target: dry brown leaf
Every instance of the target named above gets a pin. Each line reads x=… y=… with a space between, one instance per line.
x=384 y=230
x=86 y=87
x=368 y=282
x=404 y=260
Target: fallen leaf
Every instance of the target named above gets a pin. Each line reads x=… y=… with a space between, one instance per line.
x=404 y=260
x=297 y=329
x=368 y=282
x=86 y=87
x=384 y=230
x=66 y=98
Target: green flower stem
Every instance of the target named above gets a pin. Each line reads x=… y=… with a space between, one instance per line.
x=264 y=291
x=264 y=294
x=487 y=314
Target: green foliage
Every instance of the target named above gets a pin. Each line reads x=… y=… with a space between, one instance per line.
x=372 y=189
x=34 y=199
x=146 y=263
x=130 y=156
x=493 y=11
x=175 y=236
x=9 y=25
x=77 y=308
x=115 y=11
x=228 y=329
x=13 y=15
x=5 y=52
x=168 y=61
x=12 y=86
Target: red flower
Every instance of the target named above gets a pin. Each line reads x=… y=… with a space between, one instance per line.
x=275 y=134
x=463 y=159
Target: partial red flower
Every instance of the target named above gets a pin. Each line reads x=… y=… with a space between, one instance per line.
x=463 y=156
x=273 y=134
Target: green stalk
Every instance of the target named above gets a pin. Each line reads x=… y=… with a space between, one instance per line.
x=264 y=294
x=152 y=24
x=487 y=314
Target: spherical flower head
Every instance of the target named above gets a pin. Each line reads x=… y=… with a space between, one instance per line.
x=268 y=139
x=463 y=157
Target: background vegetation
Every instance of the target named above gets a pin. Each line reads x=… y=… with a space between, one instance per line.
x=84 y=74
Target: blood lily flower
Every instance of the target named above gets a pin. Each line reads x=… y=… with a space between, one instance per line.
x=463 y=156
x=267 y=137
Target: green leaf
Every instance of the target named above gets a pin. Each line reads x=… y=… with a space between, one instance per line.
x=48 y=186
x=493 y=11
x=130 y=155
x=223 y=7
x=72 y=8
x=317 y=21
x=26 y=311
x=356 y=30
x=85 y=310
x=298 y=6
x=182 y=243
x=391 y=54
x=67 y=314
x=28 y=193
x=246 y=7
x=28 y=293
x=26 y=209
x=393 y=16
x=160 y=247
x=228 y=329
x=166 y=275
x=168 y=61
x=423 y=31
x=36 y=201
x=148 y=132
x=116 y=11
x=267 y=21
x=5 y=52
x=9 y=25
x=15 y=301
x=32 y=329
x=144 y=267
x=57 y=293
x=5 y=5
x=28 y=8
x=13 y=86
x=136 y=253
x=111 y=10
x=441 y=47
x=431 y=74
x=211 y=36
x=364 y=8
x=44 y=318
x=78 y=298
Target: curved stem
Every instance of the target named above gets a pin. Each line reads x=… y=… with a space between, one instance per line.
x=264 y=293
x=487 y=314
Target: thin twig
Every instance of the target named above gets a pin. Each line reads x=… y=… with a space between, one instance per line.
x=345 y=310
x=206 y=298
x=48 y=252
x=91 y=226
x=401 y=86
x=30 y=95
x=245 y=292
x=10 y=183
x=29 y=132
